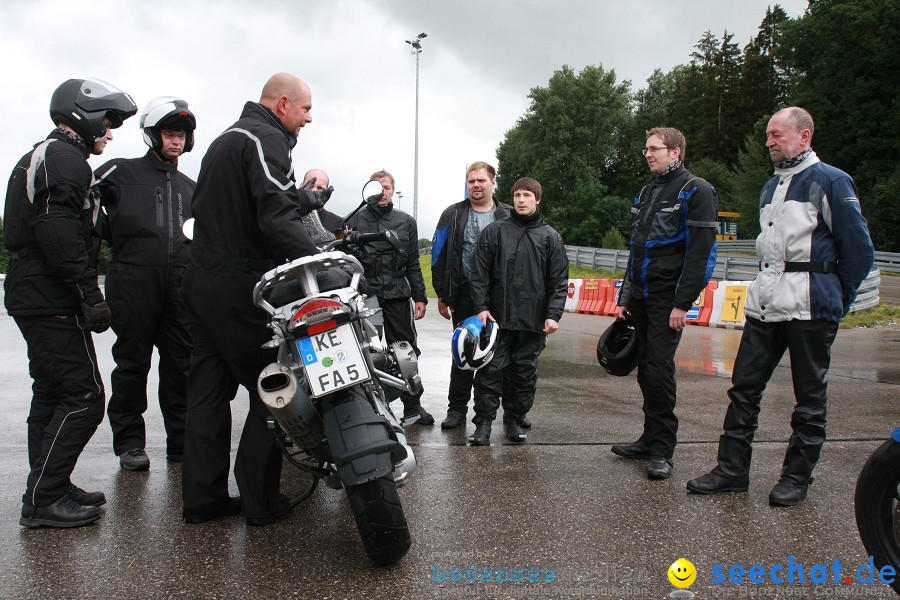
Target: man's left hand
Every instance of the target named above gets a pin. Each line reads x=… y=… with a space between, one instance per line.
x=419 y=311
x=676 y=319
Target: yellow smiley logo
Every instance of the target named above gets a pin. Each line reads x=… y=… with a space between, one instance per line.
x=682 y=573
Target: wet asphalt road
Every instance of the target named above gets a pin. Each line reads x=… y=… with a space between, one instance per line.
x=561 y=504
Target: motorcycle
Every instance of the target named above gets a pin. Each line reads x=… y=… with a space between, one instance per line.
x=877 y=504
x=330 y=387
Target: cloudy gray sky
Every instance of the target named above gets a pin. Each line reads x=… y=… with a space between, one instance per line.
x=479 y=62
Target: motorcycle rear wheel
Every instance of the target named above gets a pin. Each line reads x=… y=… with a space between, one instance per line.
x=877 y=503
x=380 y=520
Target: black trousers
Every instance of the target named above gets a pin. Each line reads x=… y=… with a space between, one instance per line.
x=762 y=347
x=67 y=402
x=227 y=331
x=516 y=357
x=400 y=326
x=461 y=381
x=657 y=344
x=147 y=311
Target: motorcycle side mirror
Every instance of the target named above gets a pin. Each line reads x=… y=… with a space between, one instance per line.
x=372 y=192
x=188 y=229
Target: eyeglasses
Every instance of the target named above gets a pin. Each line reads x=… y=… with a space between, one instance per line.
x=174 y=134
x=653 y=149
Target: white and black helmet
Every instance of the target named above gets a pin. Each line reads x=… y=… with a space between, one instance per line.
x=82 y=104
x=167 y=112
x=474 y=343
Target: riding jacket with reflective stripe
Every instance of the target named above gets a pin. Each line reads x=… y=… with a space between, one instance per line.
x=49 y=229
x=246 y=206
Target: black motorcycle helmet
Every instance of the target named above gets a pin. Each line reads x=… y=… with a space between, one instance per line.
x=617 y=349
x=82 y=104
x=167 y=112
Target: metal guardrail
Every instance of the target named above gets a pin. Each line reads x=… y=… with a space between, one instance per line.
x=889 y=262
x=728 y=268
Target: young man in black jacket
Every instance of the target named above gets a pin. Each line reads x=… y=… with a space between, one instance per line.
x=395 y=278
x=145 y=202
x=520 y=281
x=452 y=259
x=52 y=293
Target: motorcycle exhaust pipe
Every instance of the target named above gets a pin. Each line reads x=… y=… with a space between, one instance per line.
x=291 y=405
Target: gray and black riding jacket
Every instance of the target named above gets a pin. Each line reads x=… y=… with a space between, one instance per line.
x=673 y=241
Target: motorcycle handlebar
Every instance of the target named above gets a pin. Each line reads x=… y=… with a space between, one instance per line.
x=359 y=238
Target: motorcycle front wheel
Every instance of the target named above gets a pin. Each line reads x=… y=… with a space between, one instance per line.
x=877 y=503
x=380 y=520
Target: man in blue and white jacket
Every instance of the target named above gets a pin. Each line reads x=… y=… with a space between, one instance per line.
x=814 y=251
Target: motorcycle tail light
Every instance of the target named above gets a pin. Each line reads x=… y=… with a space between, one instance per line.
x=314 y=314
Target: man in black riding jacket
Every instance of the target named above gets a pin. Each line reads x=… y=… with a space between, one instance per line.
x=395 y=278
x=248 y=213
x=145 y=202
x=52 y=293
x=520 y=281
x=673 y=253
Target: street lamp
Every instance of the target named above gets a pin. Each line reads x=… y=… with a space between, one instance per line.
x=416 y=49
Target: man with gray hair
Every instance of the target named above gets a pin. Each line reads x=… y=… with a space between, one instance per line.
x=814 y=250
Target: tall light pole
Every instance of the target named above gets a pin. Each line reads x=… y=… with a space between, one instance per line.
x=417 y=50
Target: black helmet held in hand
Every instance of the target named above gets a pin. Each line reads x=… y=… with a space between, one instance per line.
x=167 y=112
x=82 y=104
x=617 y=349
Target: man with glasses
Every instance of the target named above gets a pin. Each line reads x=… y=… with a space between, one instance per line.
x=814 y=251
x=673 y=252
x=145 y=203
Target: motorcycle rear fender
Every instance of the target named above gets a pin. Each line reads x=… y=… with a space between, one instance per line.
x=360 y=441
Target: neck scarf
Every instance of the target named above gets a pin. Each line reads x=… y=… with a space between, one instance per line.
x=74 y=137
x=793 y=162
x=673 y=167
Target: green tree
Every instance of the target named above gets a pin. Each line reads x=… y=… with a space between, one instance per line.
x=613 y=240
x=765 y=74
x=704 y=99
x=573 y=140
x=846 y=54
x=741 y=187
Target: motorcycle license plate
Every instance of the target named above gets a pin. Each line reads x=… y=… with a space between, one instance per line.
x=332 y=360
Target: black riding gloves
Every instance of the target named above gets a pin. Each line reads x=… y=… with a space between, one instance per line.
x=316 y=198
x=97 y=316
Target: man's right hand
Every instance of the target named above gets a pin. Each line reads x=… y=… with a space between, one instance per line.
x=620 y=312
x=97 y=316
x=444 y=309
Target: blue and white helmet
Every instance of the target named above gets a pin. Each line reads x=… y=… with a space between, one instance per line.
x=474 y=343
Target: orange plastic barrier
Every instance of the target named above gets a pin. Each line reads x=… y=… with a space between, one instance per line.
x=610 y=308
x=706 y=307
x=593 y=296
x=588 y=294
